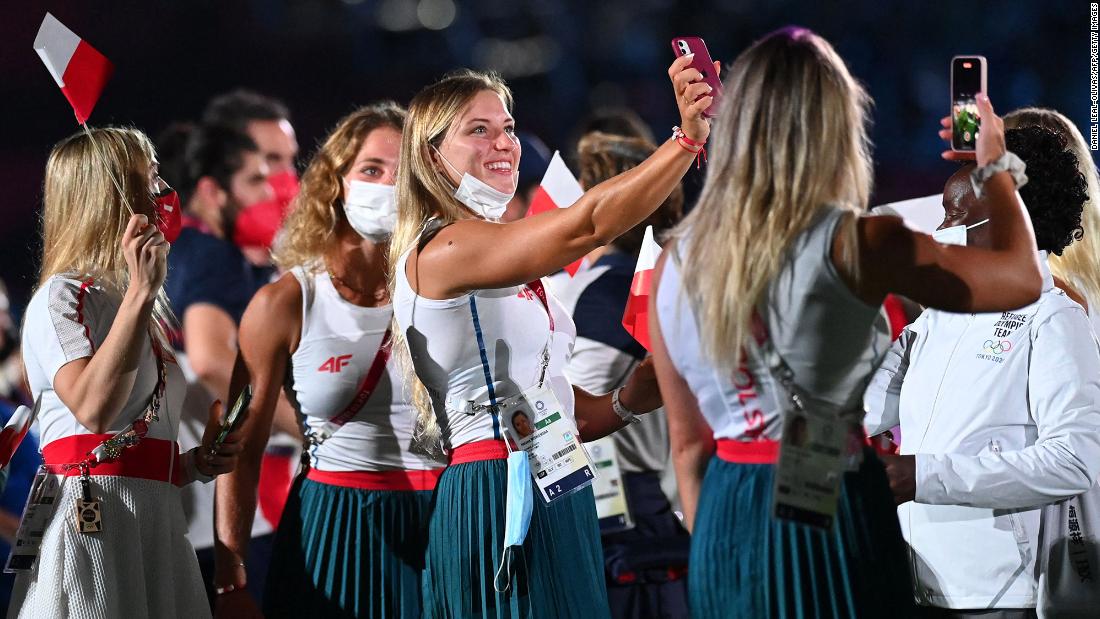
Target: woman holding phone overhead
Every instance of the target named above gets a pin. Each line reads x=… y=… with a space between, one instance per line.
x=351 y=542
x=95 y=351
x=770 y=289
x=485 y=337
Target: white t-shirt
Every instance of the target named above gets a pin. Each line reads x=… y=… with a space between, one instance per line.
x=68 y=319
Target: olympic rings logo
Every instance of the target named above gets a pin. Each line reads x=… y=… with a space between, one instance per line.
x=997 y=347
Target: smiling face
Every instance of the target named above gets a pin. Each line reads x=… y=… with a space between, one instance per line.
x=482 y=142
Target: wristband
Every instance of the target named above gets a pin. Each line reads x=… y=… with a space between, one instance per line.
x=696 y=148
x=1007 y=162
x=620 y=410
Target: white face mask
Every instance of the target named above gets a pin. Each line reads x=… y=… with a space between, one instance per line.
x=955 y=235
x=371 y=209
x=479 y=197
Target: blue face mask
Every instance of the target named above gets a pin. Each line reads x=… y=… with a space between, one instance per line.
x=517 y=516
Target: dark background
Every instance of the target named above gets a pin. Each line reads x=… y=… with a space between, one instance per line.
x=561 y=57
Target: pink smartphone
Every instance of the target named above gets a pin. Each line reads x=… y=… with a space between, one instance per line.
x=967 y=80
x=702 y=62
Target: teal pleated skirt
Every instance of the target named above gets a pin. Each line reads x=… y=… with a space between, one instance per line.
x=559 y=570
x=345 y=552
x=746 y=564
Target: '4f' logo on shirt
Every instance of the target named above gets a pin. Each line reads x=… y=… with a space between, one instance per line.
x=334 y=364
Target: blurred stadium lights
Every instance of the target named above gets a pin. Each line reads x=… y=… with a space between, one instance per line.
x=518 y=57
x=397 y=15
x=436 y=14
x=406 y=15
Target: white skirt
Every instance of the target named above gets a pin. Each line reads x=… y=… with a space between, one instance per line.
x=140 y=565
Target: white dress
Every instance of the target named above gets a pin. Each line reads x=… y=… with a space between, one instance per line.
x=141 y=564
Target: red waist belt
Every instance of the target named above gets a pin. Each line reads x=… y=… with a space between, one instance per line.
x=748 y=452
x=152 y=458
x=378 y=480
x=478 y=451
x=767 y=451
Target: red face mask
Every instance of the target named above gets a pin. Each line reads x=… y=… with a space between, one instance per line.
x=257 y=224
x=285 y=186
x=167 y=208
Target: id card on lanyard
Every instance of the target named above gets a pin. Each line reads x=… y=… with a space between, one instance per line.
x=37 y=515
x=810 y=468
x=559 y=463
x=812 y=448
x=611 y=506
x=539 y=423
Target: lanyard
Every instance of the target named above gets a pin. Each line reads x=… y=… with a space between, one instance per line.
x=544 y=358
x=540 y=292
x=494 y=407
x=113 y=447
x=366 y=388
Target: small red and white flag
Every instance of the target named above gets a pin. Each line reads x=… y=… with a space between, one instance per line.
x=77 y=67
x=559 y=189
x=15 y=430
x=636 y=316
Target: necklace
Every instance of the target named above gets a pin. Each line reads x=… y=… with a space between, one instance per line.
x=376 y=295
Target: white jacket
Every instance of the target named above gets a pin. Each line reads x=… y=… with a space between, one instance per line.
x=1003 y=413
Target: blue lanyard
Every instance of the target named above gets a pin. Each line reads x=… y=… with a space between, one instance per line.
x=493 y=410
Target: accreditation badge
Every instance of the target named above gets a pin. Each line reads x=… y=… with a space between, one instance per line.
x=37 y=513
x=812 y=461
x=611 y=506
x=540 y=426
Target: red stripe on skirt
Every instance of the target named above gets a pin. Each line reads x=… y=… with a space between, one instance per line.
x=748 y=452
x=378 y=480
x=477 y=451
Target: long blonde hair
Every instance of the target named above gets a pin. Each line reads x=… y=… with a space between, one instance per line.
x=311 y=227
x=1079 y=264
x=791 y=139
x=95 y=180
x=423 y=192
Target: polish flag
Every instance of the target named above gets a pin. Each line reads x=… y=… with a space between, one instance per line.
x=77 y=67
x=636 y=316
x=559 y=189
x=15 y=430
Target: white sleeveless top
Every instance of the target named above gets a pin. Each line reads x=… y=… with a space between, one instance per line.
x=515 y=328
x=830 y=339
x=338 y=345
x=68 y=319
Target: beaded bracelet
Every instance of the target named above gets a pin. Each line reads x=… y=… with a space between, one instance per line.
x=687 y=143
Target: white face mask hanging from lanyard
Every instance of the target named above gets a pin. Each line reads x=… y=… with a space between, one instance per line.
x=955 y=235
x=478 y=196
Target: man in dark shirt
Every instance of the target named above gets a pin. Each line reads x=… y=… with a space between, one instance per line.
x=209 y=285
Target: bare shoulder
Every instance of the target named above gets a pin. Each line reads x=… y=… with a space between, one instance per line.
x=275 y=311
x=440 y=262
